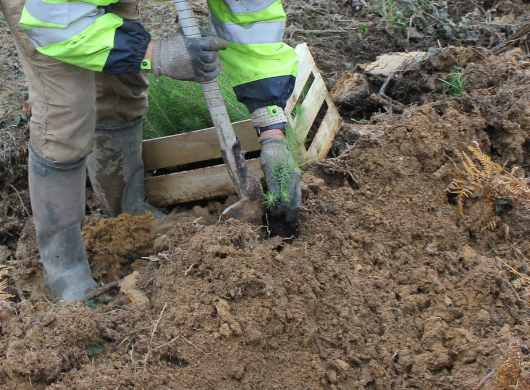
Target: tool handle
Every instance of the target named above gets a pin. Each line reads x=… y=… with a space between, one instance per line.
x=187 y=19
x=214 y=99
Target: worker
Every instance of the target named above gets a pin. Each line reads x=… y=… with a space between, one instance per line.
x=86 y=65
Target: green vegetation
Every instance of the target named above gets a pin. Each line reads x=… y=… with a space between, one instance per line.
x=95 y=348
x=457 y=83
x=363 y=28
x=284 y=170
x=271 y=200
x=177 y=107
x=414 y=13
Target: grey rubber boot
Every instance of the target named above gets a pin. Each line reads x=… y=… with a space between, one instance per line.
x=116 y=169
x=57 y=194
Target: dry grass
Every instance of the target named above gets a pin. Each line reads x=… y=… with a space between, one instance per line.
x=489 y=181
x=4 y=296
x=512 y=374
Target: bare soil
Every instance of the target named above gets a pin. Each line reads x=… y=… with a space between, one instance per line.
x=385 y=286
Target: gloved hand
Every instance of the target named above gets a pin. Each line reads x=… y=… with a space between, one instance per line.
x=282 y=175
x=188 y=59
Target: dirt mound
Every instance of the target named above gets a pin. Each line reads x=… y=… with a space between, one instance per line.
x=496 y=84
x=384 y=287
x=115 y=247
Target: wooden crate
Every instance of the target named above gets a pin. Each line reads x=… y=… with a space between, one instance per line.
x=202 y=145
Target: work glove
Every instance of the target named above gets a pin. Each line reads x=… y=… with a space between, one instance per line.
x=188 y=59
x=282 y=175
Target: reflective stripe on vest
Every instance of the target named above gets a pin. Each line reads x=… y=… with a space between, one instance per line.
x=248 y=6
x=63 y=14
x=45 y=36
x=259 y=32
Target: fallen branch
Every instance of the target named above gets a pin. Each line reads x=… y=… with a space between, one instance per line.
x=150 y=352
x=387 y=101
x=521 y=34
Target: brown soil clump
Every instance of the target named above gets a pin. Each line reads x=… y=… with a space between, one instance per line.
x=116 y=246
x=52 y=342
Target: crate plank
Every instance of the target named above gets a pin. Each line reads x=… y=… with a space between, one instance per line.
x=310 y=107
x=204 y=183
x=306 y=66
x=326 y=133
x=192 y=147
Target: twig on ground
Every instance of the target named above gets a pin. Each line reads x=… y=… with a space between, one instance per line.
x=21 y=201
x=483 y=381
x=329 y=12
x=521 y=34
x=103 y=289
x=321 y=354
x=155 y=327
x=150 y=352
x=180 y=337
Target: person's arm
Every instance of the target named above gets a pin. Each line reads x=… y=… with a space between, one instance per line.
x=85 y=34
x=261 y=68
x=88 y=35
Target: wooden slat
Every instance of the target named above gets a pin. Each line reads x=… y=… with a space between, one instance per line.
x=192 y=147
x=306 y=65
x=310 y=107
x=326 y=133
x=204 y=183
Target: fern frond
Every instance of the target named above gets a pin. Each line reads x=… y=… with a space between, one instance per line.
x=470 y=166
x=520 y=283
x=490 y=181
x=4 y=269
x=485 y=160
x=4 y=296
x=518 y=172
x=491 y=224
x=460 y=207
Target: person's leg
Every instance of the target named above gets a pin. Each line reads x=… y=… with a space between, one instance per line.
x=61 y=131
x=116 y=167
x=121 y=98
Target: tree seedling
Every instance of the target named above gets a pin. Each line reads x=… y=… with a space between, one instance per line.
x=284 y=170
